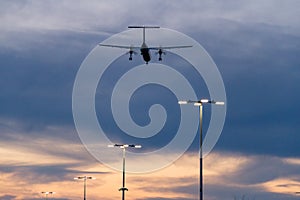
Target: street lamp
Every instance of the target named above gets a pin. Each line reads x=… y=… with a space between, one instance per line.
x=46 y=194
x=124 y=146
x=200 y=103
x=84 y=178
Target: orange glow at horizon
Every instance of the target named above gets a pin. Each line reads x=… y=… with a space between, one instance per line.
x=26 y=172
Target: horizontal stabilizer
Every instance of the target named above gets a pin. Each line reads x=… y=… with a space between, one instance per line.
x=143 y=27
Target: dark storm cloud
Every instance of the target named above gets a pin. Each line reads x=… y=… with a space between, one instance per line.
x=258 y=63
x=37 y=79
x=260 y=68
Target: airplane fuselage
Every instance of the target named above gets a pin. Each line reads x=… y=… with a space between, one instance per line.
x=145 y=52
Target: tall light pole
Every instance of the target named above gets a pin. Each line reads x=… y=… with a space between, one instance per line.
x=124 y=146
x=84 y=178
x=46 y=194
x=200 y=103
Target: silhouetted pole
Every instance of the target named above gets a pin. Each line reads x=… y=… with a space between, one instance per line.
x=200 y=152
x=124 y=146
x=84 y=189
x=84 y=183
x=123 y=185
x=200 y=104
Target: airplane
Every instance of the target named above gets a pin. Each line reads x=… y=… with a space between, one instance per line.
x=144 y=49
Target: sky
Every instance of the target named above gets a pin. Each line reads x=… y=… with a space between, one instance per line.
x=255 y=46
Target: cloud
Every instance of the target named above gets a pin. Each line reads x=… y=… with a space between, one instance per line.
x=254 y=58
x=7 y=197
x=255 y=45
x=254 y=176
x=41 y=173
x=82 y=16
x=258 y=64
x=226 y=175
x=50 y=15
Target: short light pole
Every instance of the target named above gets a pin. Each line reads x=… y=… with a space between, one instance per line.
x=124 y=146
x=46 y=194
x=200 y=103
x=84 y=178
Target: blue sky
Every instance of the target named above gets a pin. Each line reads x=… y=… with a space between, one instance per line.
x=255 y=45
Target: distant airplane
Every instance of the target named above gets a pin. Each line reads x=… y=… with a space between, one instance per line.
x=144 y=49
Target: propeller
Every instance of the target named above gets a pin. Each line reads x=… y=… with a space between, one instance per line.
x=130 y=52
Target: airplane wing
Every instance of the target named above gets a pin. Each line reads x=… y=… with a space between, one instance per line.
x=170 y=47
x=119 y=46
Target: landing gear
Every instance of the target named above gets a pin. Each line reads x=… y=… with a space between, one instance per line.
x=130 y=54
x=160 y=52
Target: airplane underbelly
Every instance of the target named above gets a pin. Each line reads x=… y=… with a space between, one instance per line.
x=146 y=55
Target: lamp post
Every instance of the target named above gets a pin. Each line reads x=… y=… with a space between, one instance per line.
x=46 y=194
x=124 y=146
x=84 y=178
x=200 y=103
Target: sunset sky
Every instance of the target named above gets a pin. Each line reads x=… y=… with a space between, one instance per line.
x=255 y=46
